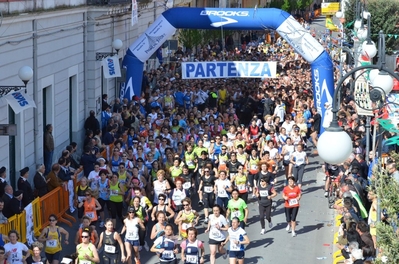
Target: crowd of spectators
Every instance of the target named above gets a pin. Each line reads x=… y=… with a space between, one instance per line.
x=151 y=131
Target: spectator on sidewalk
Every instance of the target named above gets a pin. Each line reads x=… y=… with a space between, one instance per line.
x=3 y=218
x=53 y=180
x=48 y=147
x=16 y=205
x=25 y=187
x=40 y=181
x=3 y=180
x=91 y=122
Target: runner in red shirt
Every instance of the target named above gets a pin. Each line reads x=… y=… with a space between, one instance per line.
x=292 y=195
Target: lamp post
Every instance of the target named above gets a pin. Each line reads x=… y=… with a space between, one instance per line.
x=335 y=145
x=117 y=44
x=25 y=73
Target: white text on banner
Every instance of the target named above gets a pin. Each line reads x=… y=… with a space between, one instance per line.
x=19 y=101
x=111 y=67
x=229 y=69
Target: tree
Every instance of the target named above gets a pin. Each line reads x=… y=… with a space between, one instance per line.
x=387 y=232
x=190 y=38
x=384 y=16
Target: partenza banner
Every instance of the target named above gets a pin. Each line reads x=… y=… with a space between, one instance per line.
x=229 y=69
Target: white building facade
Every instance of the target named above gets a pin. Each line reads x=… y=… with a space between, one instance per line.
x=60 y=45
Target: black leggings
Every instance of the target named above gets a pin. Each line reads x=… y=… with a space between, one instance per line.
x=116 y=209
x=251 y=178
x=291 y=213
x=265 y=212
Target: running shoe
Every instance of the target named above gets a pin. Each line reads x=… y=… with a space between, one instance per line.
x=180 y=238
x=206 y=220
x=293 y=234
x=270 y=225
x=288 y=228
x=326 y=194
x=262 y=232
x=200 y=203
x=101 y=224
x=225 y=255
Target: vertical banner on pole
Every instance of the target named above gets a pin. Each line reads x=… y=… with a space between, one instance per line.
x=135 y=17
x=30 y=233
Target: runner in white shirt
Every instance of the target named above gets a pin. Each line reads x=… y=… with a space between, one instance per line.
x=299 y=159
x=131 y=226
x=15 y=250
x=238 y=239
x=217 y=227
x=223 y=189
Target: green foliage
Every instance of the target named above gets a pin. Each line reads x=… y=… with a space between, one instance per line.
x=291 y=5
x=388 y=236
x=384 y=16
x=286 y=5
x=276 y=4
x=190 y=38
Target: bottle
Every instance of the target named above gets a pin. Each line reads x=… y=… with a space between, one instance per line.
x=241 y=238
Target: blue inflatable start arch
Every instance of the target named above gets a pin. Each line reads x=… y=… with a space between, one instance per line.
x=231 y=19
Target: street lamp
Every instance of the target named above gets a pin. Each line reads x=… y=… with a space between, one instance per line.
x=335 y=145
x=25 y=73
x=117 y=44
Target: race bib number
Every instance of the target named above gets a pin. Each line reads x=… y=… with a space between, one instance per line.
x=190 y=163
x=114 y=192
x=254 y=167
x=109 y=249
x=185 y=226
x=186 y=185
x=292 y=202
x=264 y=193
x=222 y=193
x=242 y=187
x=51 y=243
x=208 y=189
x=300 y=160
x=84 y=261
x=234 y=246
x=132 y=235
x=168 y=254
x=236 y=214
x=176 y=197
x=91 y=214
x=81 y=199
x=216 y=233
x=191 y=259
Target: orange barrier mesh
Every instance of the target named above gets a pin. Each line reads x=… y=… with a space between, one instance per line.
x=56 y=202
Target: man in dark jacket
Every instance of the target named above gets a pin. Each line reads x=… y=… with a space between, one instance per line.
x=16 y=204
x=40 y=181
x=91 y=122
x=3 y=181
x=25 y=187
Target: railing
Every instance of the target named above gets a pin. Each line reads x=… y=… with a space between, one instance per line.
x=55 y=202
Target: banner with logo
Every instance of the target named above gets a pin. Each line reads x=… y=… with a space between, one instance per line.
x=229 y=69
x=148 y=43
x=135 y=17
x=19 y=101
x=230 y=19
x=323 y=84
x=111 y=67
x=30 y=232
x=300 y=39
